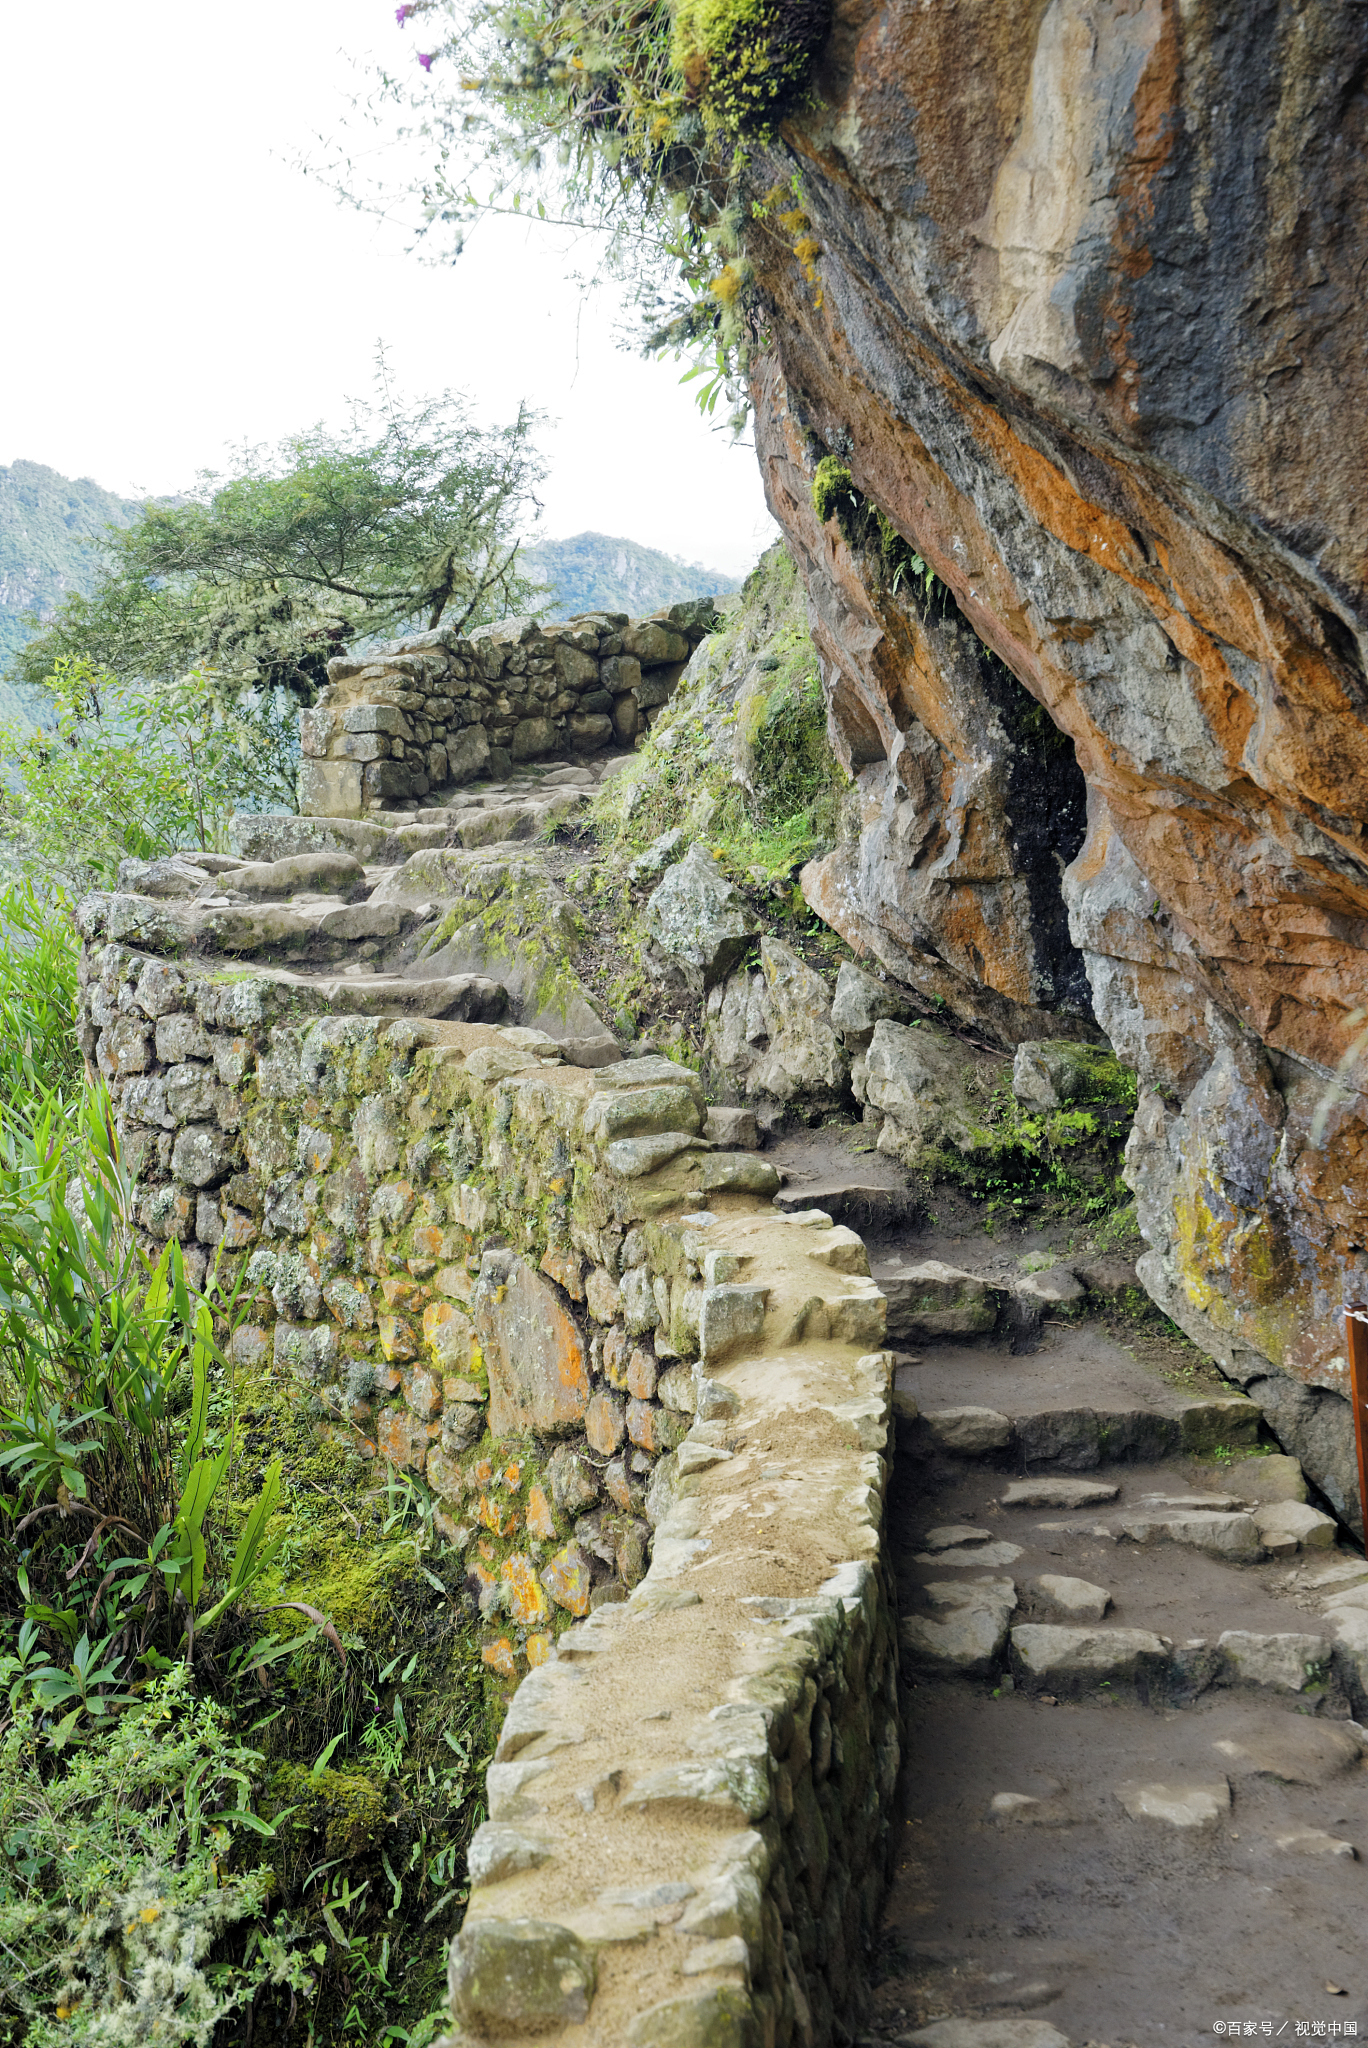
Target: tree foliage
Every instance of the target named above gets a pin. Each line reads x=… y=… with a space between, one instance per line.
x=400 y=522
x=138 y=770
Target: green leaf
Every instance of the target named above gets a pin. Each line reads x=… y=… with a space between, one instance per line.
x=239 y=1817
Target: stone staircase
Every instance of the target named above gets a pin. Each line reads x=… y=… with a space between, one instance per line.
x=1136 y=1661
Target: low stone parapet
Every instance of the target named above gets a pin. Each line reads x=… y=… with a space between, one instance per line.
x=439 y=710
x=651 y=1411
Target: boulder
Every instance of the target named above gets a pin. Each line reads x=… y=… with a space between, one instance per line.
x=804 y=1056
x=861 y=1002
x=533 y=1350
x=1054 y=1073
x=969 y=1633
x=732 y=1128
x=969 y=1432
x=1110 y=1277
x=1286 y=1526
x=1278 y=1663
x=1071 y=1599
x=1270 y=1479
x=1067 y=1659
x=321 y=873
x=698 y=924
x=1053 y=1491
x=1184 y=1803
x=697 y=920
x=1056 y=1289
x=925 y=1083
x=931 y=1301
x=662 y=853
x=519 y=1976
x=467 y=754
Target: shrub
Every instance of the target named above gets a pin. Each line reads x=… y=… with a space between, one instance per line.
x=116 y=1879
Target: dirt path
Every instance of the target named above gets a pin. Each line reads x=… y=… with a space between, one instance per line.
x=1099 y=1852
x=1117 y=1926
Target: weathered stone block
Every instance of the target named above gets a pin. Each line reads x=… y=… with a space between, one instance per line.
x=517 y=1976
x=330 y=789
x=728 y=1317
x=604 y=1424
x=930 y=1301
x=654 y=644
x=699 y=924
x=534 y=1352
x=202 y=1155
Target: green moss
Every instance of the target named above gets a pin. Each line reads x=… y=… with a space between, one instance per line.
x=746 y=62
x=833 y=490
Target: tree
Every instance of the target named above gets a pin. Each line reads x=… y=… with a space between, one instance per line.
x=397 y=524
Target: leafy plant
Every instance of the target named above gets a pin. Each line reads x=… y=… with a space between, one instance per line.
x=123 y=1869
x=137 y=768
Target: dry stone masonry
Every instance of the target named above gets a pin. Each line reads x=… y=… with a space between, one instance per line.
x=652 y=1409
x=439 y=711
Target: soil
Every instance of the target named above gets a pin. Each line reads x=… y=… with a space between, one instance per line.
x=1121 y=1933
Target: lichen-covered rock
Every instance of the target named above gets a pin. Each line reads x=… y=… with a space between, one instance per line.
x=1052 y=1073
x=923 y=1082
x=533 y=1351
x=773 y=1031
x=519 y=1976
x=698 y=923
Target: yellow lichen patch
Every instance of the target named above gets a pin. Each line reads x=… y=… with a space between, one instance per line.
x=540 y=1522
x=499 y=1656
x=566 y=1579
x=539 y=1648
x=526 y=1601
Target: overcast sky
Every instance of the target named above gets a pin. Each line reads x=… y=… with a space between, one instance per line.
x=175 y=285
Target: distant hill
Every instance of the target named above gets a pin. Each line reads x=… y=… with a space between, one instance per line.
x=44 y=520
x=602 y=572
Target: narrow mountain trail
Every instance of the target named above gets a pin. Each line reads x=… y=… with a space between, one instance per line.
x=1134 y=1796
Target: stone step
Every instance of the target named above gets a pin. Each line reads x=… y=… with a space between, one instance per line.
x=865 y=1203
x=1077 y=1439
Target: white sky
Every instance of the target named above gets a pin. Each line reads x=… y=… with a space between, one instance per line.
x=176 y=286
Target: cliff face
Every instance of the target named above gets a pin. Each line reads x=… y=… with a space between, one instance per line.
x=1086 y=331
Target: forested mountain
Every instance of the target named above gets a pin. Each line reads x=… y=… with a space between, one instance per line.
x=45 y=521
x=602 y=572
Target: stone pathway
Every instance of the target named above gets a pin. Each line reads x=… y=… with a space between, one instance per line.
x=1135 y=1798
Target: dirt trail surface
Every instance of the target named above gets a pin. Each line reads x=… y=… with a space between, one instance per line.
x=1098 y=1848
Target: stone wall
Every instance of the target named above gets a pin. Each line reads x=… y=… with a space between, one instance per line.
x=653 y=1414
x=438 y=711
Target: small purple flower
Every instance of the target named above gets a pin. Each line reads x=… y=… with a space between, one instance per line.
x=401 y=14
x=427 y=59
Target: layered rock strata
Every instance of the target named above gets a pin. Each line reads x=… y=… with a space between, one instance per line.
x=1085 y=333
x=439 y=710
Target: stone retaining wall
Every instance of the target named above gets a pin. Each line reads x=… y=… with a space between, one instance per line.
x=653 y=1413
x=441 y=709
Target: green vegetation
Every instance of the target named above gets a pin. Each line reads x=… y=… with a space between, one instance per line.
x=601 y=572
x=638 y=124
x=245 y=1728
x=137 y=770
x=1057 y=1162
x=403 y=521
x=741 y=758
x=745 y=63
